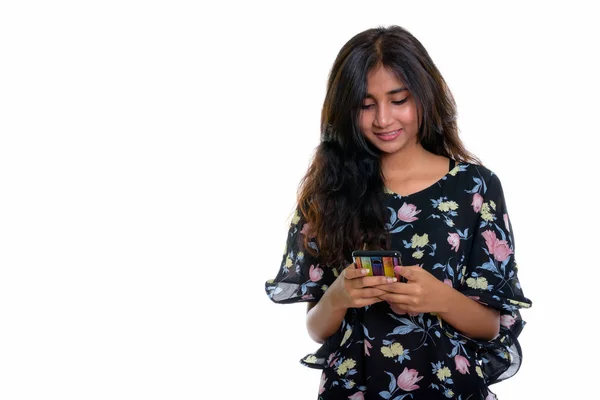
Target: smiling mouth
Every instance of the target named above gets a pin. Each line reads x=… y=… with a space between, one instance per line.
x=388 y=135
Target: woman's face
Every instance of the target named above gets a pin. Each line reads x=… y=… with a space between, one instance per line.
x=388 y=117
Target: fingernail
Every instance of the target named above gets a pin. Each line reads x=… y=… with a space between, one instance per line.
x=391 y=280
x=364 y=271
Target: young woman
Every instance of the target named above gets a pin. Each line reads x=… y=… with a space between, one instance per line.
x=391 y=173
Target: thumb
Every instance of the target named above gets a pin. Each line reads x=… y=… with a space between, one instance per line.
x=406 y=272
x=398 y=270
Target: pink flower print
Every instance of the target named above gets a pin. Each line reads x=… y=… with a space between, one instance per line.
x=332 y=362
x=499 y=248
x=407 y=213
x=505 y=216
x=507 y=320
x=307 y=297
x=322 y=385
x=315 y=273
x=448 y=282
x=502 y=251
x=357 y=396
x=330 y=359
x=477 y=202
x=408 y=379
x=454 y=241
x=367 y=347
x=306 y=230
x=462 y=364
x=490 y=240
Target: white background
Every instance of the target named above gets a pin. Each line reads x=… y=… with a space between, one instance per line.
x=149 y=159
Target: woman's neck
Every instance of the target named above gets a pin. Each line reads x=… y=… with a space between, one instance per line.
x=405 y=161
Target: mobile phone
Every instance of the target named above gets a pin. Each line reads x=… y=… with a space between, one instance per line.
x=377 y=262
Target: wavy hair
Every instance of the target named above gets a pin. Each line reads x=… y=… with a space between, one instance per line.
x=341 y=195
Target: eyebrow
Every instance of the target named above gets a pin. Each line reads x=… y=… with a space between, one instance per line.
x=401 y=89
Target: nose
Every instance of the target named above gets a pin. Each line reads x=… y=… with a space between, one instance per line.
x=383 y=117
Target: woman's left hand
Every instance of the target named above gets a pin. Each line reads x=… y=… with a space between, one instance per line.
x=422 y=293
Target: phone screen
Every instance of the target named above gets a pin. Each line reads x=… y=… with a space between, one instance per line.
x=377 y=265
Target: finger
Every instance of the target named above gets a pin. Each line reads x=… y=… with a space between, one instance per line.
x=406 y=272
x=370 y=292
x=351 y=272
x=398 y=287
x=397 y=274
x=371 y=281
x=398 y=310
x=401 y=300
x=367 y=301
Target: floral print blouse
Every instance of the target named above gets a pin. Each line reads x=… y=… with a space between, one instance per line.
x=459 y=230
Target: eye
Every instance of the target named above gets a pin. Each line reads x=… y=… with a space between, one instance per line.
x=400 y=102
x=367 y=106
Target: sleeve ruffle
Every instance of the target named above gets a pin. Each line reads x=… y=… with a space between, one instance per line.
x=301 y=278
x=491 y=278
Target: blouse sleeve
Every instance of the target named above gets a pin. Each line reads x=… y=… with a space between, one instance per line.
x=301 y=277
x=491 y=270
x=490 y=278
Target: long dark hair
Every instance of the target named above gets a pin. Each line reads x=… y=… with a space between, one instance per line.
x=341 y=195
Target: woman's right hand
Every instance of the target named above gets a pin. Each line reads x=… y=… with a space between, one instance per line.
x=353 y=289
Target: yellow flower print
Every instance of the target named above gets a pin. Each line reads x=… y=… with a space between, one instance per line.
x=300 y=254
x=296 y=218
x=519 y=303
x=482 y=283
x=485 y=212
x=478 y=370
x=479 y=283
x=420 y=241
x=324 y=287
x=270 y=281
x=472 y=283
x=387 y=190
x=443 y=373
x=454 y=171
x=493 y=205
x=310 y=359
x=418 y=254
x=447 y=206
x=391 y=351
x=346 y=336
x=345 y=366
x=288 y=262
x=350 y=384
x=335 y=272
